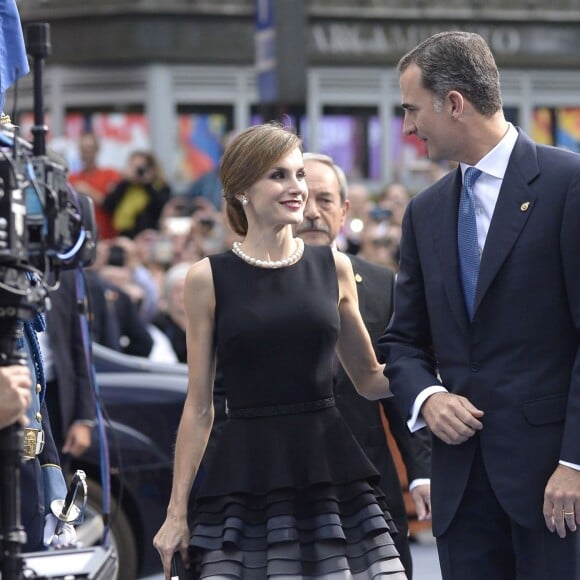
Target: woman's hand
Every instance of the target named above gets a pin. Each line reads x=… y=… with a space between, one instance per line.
x=173 y=536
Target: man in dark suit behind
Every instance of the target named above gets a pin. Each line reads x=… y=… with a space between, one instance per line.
x=485 y=346
x=325 y=212
x=69 y=395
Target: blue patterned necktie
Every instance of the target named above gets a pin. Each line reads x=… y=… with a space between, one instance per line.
x=467 y=239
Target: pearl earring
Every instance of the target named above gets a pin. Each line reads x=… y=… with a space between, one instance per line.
x=244 y=200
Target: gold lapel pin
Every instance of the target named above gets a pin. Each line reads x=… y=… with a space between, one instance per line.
x=525 y=206
x=358 y=278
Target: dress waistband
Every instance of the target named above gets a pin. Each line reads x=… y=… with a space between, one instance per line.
x=291 y=409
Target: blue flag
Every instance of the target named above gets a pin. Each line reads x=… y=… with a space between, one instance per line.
x=13 y=61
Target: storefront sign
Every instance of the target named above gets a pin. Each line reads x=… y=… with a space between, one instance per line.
x=380 y=42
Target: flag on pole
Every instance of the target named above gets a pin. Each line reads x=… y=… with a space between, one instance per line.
x=13 y=60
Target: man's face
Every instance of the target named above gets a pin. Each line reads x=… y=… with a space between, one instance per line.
x=428 y=120
x=324 y=213
x=379 y=244
x=88 y=148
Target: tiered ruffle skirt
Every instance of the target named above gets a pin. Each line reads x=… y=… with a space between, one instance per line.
x=292 y=498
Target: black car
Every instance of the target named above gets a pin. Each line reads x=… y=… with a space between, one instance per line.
x=142 y=403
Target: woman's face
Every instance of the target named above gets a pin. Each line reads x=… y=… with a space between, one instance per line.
x=279 y=196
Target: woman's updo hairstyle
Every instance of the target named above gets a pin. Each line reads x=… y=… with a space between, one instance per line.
x=246 y=159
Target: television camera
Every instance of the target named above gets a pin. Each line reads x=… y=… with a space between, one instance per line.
x=45 y=227
x=44 y=224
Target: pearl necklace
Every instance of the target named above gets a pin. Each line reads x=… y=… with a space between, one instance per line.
x=289 y=261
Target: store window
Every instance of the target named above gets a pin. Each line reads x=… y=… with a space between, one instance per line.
x=119 y=131
x=351 y=136
x=558 y=126
x=201 y=131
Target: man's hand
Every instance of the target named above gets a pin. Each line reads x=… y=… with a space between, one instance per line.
x=15 y=396
x=78 y=439
x=451 y=417
x=421 y=495
x=562 y=500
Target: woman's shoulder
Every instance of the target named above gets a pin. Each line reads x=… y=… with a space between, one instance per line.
x=328 y=256
x=199 y=273
x=199 y=286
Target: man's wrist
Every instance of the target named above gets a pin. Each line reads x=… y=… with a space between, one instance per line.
x=419 y=481
x=87 y=422
x=570 y=465
x=417 y=422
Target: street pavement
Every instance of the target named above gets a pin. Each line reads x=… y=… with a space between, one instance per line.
x=425 y=562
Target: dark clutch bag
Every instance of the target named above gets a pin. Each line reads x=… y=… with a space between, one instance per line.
x=178 y=570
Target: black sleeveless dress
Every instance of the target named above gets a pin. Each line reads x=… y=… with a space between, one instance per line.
x=289 y=494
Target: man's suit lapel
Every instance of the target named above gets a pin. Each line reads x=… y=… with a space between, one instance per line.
x=515 y=204
x=444 y=220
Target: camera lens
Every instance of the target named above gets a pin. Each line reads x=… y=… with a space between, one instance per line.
x=117 y=256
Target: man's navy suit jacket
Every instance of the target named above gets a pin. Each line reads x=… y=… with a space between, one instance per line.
x=518 y=360
x=70 y=360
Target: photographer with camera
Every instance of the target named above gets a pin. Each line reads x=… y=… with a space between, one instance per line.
x=135 y=203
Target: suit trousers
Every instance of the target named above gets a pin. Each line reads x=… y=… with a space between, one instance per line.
x=484 y=543
x=32 y=506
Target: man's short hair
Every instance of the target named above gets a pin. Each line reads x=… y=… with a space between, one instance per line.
x=340 y=176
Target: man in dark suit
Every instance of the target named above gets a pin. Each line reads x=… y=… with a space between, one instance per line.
x=324 y=215
x=484 y=345
x=69 y=396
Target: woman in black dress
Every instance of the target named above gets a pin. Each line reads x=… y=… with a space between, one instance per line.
x=289 y=493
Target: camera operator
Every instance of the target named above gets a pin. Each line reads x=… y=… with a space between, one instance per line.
x=135 y=203
x=22 y=399
x=53 y=229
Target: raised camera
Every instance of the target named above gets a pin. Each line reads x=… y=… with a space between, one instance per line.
x=379 y=214
x=117 y=256
x=141 y=171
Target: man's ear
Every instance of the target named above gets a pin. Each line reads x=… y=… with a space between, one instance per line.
x=456 y=103
x=345 y=208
